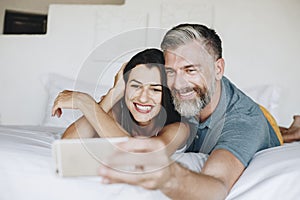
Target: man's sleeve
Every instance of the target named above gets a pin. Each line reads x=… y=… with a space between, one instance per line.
x=243 y=136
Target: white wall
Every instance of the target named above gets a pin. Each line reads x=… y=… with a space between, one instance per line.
x=260 y=41
x=261 y=44
x=41 y=6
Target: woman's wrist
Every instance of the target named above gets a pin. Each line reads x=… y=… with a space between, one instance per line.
x=110 y=99
x=82 y=100
x=116 y=93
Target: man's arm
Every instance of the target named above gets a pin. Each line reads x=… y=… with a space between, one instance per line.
x=219 y=174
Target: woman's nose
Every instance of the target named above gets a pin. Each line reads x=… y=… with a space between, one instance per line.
x=143 y=95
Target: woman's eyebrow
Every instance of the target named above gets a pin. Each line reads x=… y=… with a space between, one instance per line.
x=154 y=85
x=134 y=80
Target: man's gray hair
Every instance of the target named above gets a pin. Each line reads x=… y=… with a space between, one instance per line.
x=186 y=33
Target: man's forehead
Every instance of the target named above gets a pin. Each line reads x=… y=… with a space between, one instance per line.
x=185 y=55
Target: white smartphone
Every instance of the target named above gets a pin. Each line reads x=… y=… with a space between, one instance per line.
x=82 y=157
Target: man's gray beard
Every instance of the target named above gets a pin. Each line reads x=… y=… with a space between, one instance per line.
x=193 y=107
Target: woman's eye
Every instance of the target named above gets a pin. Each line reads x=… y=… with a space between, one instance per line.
x=134 y=86
x=157 y=90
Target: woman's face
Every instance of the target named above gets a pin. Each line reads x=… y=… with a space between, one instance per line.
x=143 y=93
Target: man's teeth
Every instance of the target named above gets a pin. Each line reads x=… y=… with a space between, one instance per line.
x=144 y=108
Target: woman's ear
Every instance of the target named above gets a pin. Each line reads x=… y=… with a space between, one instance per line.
x=219 y=68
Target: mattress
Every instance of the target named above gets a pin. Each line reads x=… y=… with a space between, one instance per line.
x=27 y=171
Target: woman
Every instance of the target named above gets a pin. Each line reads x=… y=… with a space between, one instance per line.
x=141 y=105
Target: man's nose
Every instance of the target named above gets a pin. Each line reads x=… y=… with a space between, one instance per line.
x=180 y=81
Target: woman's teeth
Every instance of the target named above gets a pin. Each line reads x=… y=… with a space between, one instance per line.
x=143 y=108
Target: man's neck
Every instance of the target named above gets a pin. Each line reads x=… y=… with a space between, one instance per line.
x=210 y=108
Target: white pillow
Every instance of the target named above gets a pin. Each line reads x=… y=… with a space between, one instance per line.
x=265 y=95
x=55 y=83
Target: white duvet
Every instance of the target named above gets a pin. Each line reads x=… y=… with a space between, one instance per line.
x=27 y=172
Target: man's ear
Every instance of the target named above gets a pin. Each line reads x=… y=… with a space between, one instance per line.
x=219 y=68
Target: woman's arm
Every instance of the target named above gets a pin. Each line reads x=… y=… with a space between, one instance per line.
x=98 y=119
x=171 y=137
x=82 y=127
x=115 y=93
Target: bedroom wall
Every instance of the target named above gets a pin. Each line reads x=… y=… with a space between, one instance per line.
x=260 y=40
x=41 y=6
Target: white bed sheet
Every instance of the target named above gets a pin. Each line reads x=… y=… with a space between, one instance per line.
x=27 y=172
x=272 y=174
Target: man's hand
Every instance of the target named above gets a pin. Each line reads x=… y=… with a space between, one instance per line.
x=215 y=180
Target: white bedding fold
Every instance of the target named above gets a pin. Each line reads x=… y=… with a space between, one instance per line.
x=27 y=172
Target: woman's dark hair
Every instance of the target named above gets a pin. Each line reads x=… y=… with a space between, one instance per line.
x=151 y=58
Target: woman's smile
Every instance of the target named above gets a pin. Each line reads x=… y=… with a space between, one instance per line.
x=143 y=108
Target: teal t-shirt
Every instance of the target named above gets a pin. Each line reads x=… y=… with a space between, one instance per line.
x=237 y=125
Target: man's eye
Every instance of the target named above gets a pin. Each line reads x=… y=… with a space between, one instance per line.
x=191 y=71
x=170 y=73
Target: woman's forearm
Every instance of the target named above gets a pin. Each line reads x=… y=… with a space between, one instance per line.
x=103 y=124
x=82 y=128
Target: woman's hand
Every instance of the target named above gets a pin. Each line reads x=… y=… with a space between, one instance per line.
x=68 y=100
x=115 y=93
x=119 y=84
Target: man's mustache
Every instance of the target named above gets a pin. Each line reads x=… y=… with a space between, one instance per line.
x=200 y=91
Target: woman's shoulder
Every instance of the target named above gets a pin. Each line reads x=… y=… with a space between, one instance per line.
x=184 y=126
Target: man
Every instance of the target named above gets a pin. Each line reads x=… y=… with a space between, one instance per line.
x=230 y=127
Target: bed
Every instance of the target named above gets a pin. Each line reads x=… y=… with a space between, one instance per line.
x=27 y=168
x=27 y=172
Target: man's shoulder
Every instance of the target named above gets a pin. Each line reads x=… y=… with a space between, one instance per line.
x=230 y=86
x=235 y=98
